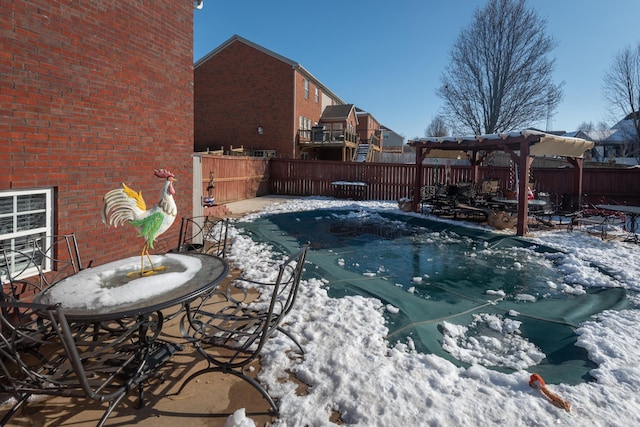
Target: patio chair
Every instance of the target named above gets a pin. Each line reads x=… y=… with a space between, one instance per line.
x=467 y=192
x=29 y=266
x=544 y=215
x=230 y=334
x=41 y=353
x=490 y=187
x=438 y=198
x=427 y=195
x=203 y=234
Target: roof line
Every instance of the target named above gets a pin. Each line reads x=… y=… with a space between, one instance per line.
x=294 y=65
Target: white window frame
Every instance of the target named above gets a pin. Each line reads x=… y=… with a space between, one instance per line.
x=304 y=126
x=17 y=233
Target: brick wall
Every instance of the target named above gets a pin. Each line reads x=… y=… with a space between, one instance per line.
x=307 y=107
x=93 y=94
x=238 y=89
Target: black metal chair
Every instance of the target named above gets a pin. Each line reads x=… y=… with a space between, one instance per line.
x=204 y=234
x=544 y=215
x=230 y=333
x=28 y=266
x=41 y=353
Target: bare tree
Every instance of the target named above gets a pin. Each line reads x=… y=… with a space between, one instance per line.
x=499 y=75
x=622 y=91
x=437 y=127
x=586 y=126
x=598 y=134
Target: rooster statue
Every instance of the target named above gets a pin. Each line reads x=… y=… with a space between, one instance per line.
x=124 y=205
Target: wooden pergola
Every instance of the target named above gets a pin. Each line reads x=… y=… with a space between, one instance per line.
x=522 y=147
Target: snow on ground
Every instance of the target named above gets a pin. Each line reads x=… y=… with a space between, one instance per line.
x=351 y=369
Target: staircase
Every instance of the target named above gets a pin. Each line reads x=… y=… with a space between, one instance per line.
x=362 y=154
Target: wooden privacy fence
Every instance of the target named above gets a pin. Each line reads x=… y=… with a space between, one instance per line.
x=238 y=178
x=385 y=181
x=235 y=178
x=390 y=181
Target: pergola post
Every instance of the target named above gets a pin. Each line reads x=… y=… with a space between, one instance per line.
x=525 y=162
x=418 y=180
x=475 y=165
x=577 y=177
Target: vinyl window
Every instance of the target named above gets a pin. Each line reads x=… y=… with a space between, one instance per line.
x=24 y=216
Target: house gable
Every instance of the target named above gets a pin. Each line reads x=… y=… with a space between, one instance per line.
x=243 y=97
x=249 y=96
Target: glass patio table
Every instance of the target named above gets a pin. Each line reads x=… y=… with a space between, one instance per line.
x=512 y=204
x=116 y=316
x=633 y=212
x=110 y=292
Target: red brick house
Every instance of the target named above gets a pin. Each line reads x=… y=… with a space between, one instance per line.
x=92 y=95
x=250 y=97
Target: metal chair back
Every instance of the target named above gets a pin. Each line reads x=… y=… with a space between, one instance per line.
x=230 y=331
x=29 y=266
x=203 y=234
x=42 y=354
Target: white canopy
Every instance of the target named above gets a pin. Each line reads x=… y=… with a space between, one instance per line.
x=553 y=145
x=540 y=144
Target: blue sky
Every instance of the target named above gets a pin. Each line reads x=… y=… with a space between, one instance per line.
x=387 y=57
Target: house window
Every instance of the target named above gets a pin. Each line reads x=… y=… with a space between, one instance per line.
x=24 y=216
x=304 y=127
x=264 y=153
x=306 y=89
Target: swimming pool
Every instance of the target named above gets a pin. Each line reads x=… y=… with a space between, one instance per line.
x=465 y=294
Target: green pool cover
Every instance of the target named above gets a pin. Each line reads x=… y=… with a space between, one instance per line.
x=435 y=277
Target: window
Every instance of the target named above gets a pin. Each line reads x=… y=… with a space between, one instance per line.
x=264 y=153
x=306 y=89
x=24 y=216
x=304 y=127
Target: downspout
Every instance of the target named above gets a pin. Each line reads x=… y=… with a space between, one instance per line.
x=293 y=155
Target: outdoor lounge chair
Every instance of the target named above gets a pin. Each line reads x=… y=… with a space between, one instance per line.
x=230 y=334
x=439 y=199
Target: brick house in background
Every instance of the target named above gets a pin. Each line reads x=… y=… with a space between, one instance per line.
x=248 y=97
x=91 y=96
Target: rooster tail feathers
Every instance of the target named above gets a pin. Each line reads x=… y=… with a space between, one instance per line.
x=121 y=205
x=137 y=196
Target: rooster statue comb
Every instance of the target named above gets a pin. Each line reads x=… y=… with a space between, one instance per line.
x=124 y=205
